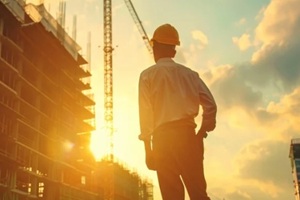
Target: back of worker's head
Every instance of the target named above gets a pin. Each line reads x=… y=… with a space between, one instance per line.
x=164 y=40
x=166 y=34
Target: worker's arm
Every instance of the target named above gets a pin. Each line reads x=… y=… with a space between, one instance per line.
x=146 y=121
x=145 y=110
x=209 y=109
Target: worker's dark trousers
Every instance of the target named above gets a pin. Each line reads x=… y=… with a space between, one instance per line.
x=179 y=159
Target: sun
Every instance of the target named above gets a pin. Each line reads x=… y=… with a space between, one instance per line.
x=100 y=144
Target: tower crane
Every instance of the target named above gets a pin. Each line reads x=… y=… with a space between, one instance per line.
x=138 y=23
x=108 y=63
x=108 y=73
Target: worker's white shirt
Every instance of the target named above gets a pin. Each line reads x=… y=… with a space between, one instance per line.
x=169 y=91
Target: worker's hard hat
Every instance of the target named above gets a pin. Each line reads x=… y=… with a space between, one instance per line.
x=166 y=34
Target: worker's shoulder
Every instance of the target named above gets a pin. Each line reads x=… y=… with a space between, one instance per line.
x=167 y=68
x=186 y=69
x=149 y=69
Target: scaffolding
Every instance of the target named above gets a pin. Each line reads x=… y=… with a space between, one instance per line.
x=120 y=183
x=44 y=118
x=47 y=115
x=295 y=164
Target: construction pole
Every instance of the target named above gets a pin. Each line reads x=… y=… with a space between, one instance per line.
x=108 y=73
x=108 y=92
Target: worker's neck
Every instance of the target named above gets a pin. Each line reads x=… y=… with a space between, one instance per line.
x=163 y=56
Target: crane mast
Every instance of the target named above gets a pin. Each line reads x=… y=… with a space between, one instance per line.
x=108 y=64
x=108 y=72
x=108 y=76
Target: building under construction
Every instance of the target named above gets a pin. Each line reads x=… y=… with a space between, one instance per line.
x=119 y=183
x=295 y=163
x=47 y=116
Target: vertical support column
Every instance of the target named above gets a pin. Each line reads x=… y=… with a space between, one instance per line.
x=108 y=72
x=1 y=33
x=108 y=88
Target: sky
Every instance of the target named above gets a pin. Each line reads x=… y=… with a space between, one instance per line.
x=248 y=54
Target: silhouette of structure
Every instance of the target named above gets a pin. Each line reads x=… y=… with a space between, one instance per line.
x=108 y=64
x=119 y=183
x=47 y=115
x=45 y=118
x=138 y=24
x=295 y=163
x=110 y=167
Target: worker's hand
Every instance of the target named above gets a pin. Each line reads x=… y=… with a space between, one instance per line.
x=150 y=161
x=150 y=158
x=206 y=126
x=201 y=133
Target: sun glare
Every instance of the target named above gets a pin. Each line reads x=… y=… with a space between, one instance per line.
x=100 y=144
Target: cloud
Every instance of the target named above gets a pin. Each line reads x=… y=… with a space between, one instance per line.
x=263 y=171
x=265 y=164
x=238 y=194
x=242 y=42
x=285 y=115
x=201 y=38
x=279 y=20
x=279 y=26
x=240 y=97
x=192 y=52
x=229 y=84
x=245 y=191
x=289 y=104
x=275 y=63
x=263 y=96
x=255 y=159
x=275 y=68
x=281 y=65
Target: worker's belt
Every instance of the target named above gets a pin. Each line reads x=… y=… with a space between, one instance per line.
x=186 y=122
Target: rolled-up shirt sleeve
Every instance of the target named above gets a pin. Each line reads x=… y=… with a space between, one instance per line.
x=207 y=101
x=145 y=110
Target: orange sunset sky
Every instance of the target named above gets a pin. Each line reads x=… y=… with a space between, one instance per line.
x=248 y=54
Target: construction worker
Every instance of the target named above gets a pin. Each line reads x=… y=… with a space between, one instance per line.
x=170 y=95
